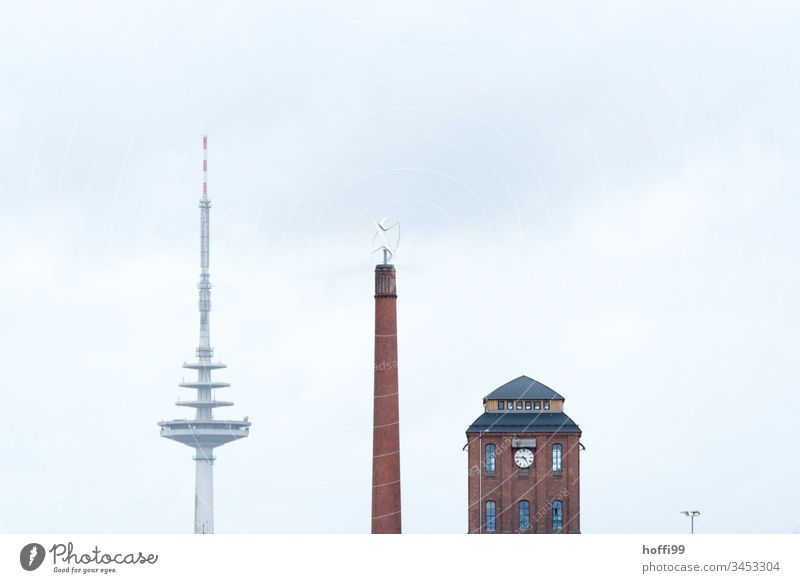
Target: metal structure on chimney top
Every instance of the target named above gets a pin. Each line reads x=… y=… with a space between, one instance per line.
x=204 y=433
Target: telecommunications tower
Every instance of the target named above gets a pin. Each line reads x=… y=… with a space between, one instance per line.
x=204 y=433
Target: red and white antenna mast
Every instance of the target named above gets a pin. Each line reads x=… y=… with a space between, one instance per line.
x=205 y=166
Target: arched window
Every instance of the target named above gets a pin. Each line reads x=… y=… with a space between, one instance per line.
x=491 y=516
x=556 y=458
x=524 y=515
x=558 y=515
x=491 y=465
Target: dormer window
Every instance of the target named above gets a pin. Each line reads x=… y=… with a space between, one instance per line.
x=537 y=405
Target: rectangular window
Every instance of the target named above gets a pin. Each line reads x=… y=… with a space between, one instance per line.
x=501 y=405
x=519 y=405
x=491 y=516
x=557 y=458
x=537 y=405
x=524 y=515
x=490 y=460
x=558 y=515
x=509 y=405
x=546 y=405
x=527 y=405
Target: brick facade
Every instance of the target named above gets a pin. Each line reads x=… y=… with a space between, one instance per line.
x=386 y=516
x=539 y=485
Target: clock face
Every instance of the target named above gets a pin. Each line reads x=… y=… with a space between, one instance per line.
x=523 y=457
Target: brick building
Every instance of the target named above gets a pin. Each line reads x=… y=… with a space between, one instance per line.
x=524 y=462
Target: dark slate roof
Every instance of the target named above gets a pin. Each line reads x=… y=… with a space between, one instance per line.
x=539 y=421
x=523 y=388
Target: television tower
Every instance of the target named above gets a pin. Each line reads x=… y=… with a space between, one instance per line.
x=204 y=433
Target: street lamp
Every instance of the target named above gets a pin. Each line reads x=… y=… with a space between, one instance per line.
x=691 y=514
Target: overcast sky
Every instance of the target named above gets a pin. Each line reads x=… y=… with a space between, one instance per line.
x=600 y=195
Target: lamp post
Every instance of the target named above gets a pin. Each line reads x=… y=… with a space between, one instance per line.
x=691 y=514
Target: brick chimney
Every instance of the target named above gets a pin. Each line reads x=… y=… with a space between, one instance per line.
x=386 y=420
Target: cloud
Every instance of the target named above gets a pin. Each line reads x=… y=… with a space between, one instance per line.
x=601 y=200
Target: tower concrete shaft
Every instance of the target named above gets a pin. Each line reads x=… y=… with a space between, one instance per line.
x=204 y=492
x=386 y=515
x=204 y=433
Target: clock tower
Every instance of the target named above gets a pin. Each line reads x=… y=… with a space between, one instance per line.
x=524 y=462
